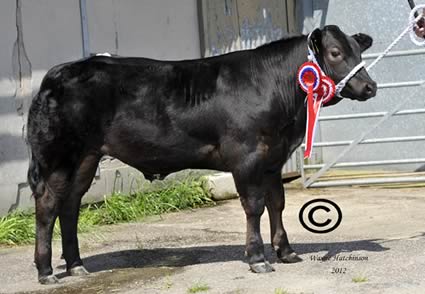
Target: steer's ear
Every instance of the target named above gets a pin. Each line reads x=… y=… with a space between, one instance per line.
x=365 y=41
x=315 y=40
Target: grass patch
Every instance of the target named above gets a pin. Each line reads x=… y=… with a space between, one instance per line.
x=198 y=287
x=359 y=279
x=19 y=228
x=280 y=291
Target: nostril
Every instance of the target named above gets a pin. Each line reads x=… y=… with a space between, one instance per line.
x=370 y=88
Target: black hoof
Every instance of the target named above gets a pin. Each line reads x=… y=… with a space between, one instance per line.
x=48 y=280
x=261 y=267
x=78 y=271
x=290 y=258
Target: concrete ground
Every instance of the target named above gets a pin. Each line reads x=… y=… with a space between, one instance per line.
x=384 y=229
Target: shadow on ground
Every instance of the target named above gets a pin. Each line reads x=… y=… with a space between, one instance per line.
x=180 y=257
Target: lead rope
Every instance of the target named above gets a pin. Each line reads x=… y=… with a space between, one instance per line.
x=412 y=22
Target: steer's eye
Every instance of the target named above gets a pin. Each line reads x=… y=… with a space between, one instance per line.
x=335 y=53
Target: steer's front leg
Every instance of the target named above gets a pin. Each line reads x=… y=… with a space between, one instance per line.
x=253 y=202
x=275 y=203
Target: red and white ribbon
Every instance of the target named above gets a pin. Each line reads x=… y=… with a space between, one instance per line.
x=320 y=89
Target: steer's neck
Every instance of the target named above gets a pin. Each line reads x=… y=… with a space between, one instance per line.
x=279 y=62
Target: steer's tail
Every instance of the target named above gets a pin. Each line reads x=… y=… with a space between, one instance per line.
x=35 y=178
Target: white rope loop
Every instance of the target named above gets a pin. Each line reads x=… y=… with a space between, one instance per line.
x=340 y=86
x=311 y=56
x=412 y=22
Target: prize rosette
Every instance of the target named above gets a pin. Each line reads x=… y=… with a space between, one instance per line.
x=320 y=89
x=328 y=89
x=309 y=74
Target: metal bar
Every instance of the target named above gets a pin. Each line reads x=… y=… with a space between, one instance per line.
x=201 y=25
x=369 y=141
x=300 y=160
x=370 y=114
x=400 y=84
x=308 y=9
x=395 y=53
x=370 y=181
x=362 y=137
x=369 y=163
x=84 y=28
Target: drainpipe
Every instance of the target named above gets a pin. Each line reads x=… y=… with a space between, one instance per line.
x=84 y=28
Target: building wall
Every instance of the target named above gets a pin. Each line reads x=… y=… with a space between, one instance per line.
x=35 y=36
x=231 y=25
x=160 y=29
x=38 y=34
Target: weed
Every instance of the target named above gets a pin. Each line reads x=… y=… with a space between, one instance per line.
x=19 y=227
x=168 y=284
x=280 y=291
x=198 y=287
x=359 y=279
x=139 y=243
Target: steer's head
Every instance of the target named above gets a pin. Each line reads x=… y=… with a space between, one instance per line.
x=338 y=54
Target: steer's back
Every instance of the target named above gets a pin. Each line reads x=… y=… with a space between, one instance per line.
x=151 y=114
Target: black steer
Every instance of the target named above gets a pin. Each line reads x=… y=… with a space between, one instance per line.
x=242 y=112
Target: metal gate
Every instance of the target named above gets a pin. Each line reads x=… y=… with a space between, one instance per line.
x=229 y=25
x=397 y=157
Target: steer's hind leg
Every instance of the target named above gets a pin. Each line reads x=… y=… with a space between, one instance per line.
x=69 y=213
x=47 y=208
x=252 y=199
x=275 y=202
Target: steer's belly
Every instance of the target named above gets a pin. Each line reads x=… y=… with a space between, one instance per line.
x=160 y=153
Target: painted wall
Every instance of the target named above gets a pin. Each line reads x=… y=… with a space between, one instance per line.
x=35 y=35
x=38 y=34
x=231 y=25
x=161 y=29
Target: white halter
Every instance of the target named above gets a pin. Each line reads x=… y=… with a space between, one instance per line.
x=340 y=86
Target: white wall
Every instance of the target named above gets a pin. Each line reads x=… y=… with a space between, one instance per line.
x=50 y=33
x=161 y=29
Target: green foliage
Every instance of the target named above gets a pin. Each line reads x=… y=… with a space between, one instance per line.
x=19 y=228
x=198 y=287
x=359 y=279
x=280 y=291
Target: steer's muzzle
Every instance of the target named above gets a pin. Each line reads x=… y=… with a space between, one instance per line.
x=360 y=87
x=369 y=89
